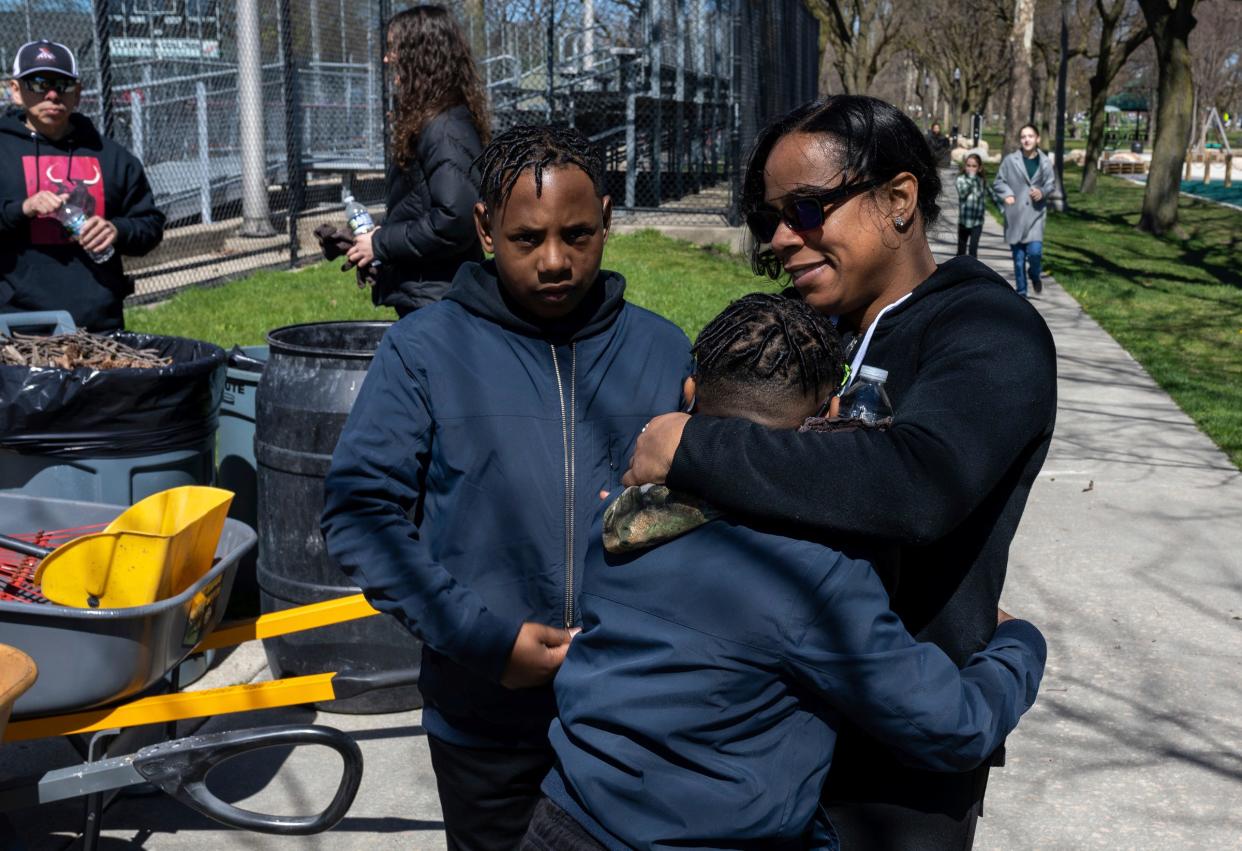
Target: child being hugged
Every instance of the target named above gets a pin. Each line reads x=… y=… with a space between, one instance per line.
x=466 y=479
x=971 y=205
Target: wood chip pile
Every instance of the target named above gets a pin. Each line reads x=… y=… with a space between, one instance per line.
x=78 y=350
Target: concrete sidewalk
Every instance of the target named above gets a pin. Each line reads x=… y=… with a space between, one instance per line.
x=1129 y=558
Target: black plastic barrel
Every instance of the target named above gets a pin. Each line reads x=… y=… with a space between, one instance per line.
x=313 y=375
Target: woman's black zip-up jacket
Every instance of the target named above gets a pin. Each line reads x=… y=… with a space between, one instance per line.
x=468 y=474
x=40 y=269
x=428 y=230
x=972 y=378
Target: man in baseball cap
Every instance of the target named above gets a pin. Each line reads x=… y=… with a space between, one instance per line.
x=44 y=57
x=51 y=155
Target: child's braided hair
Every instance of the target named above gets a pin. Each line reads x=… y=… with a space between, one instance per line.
x=763 y=338
x=539 y=147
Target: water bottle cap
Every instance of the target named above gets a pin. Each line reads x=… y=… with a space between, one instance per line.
x=347 y=198
x=874 y=373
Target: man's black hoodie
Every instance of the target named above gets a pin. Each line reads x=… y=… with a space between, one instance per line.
x=972 y=378
x=40 y=269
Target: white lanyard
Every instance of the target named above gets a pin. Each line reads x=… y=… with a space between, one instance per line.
x=859 y=355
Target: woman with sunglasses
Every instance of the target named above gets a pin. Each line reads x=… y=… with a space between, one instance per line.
x=840 y=196
x=49 y=153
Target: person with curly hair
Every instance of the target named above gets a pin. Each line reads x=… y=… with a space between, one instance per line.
x=440 y=125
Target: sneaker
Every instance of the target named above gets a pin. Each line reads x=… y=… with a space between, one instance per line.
x=1038 y=285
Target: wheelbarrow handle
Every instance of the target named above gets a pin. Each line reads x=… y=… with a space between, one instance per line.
x=180 y=768
x=26 y=548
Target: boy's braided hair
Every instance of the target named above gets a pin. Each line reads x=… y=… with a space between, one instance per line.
x=539 y=147
x=771 y=342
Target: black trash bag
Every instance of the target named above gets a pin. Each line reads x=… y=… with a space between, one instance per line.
x=91 y=413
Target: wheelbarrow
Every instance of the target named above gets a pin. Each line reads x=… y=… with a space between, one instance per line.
x=97 y=667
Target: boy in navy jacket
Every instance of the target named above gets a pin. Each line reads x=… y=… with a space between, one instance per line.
x=464 y=485
x=698 y=707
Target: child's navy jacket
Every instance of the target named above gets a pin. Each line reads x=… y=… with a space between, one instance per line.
x=468 y=474
x=698 y=706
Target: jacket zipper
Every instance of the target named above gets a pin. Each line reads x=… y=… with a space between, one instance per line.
x=567 y=442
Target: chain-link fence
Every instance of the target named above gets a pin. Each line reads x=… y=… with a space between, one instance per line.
x=251 y=115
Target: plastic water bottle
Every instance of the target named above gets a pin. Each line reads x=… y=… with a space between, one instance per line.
x=865 y=399
x=73 y=217
x=360 y=220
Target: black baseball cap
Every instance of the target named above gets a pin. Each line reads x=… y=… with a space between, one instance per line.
x=44 y=56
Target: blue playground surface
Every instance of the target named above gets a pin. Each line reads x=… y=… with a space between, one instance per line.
x=1215 y=191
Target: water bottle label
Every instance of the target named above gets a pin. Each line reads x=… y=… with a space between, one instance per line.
x=361 y=222
x=74 y=224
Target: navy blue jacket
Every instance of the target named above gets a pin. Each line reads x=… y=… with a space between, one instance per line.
x=466 y=479
x=699 y=704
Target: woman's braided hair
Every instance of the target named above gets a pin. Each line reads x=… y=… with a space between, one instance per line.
x=766 y=336
x=539 y=147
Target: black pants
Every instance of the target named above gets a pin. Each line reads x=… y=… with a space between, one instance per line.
x=553 y=829
x=877 y=803
x=487 y=796
x=892 y=827
x=971 y=235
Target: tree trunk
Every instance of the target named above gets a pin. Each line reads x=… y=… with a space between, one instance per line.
x=1097 y=117
x=1170 y=33
x=1099 y=121
x=1020 y=81
x=825 y=71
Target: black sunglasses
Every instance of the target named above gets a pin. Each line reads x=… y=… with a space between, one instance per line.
x=806 y=213
x=43 y=85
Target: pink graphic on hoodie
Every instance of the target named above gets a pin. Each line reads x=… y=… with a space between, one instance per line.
x=51 y=173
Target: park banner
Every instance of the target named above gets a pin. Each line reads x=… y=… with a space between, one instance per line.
x=165 y=48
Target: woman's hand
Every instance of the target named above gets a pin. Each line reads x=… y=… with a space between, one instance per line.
x=1036 y=194
x=1010 y=200
x=653 y=454
x=361 y=254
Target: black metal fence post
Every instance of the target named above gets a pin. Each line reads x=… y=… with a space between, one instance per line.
x=385 y=14
x=103 y=53
x=295 y=168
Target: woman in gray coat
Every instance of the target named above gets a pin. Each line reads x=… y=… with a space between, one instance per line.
x=1024 y=182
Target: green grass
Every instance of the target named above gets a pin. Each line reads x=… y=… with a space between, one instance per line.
x=1175 y=304
x=687 y=283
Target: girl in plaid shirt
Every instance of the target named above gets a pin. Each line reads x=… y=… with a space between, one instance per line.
x=971 y=195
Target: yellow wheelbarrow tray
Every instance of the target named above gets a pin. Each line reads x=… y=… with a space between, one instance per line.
x=90 y=660
x=153 y=550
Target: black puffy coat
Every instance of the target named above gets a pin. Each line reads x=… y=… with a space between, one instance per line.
x=429 y=229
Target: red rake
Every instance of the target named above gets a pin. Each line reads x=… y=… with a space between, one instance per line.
x=17 y=583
